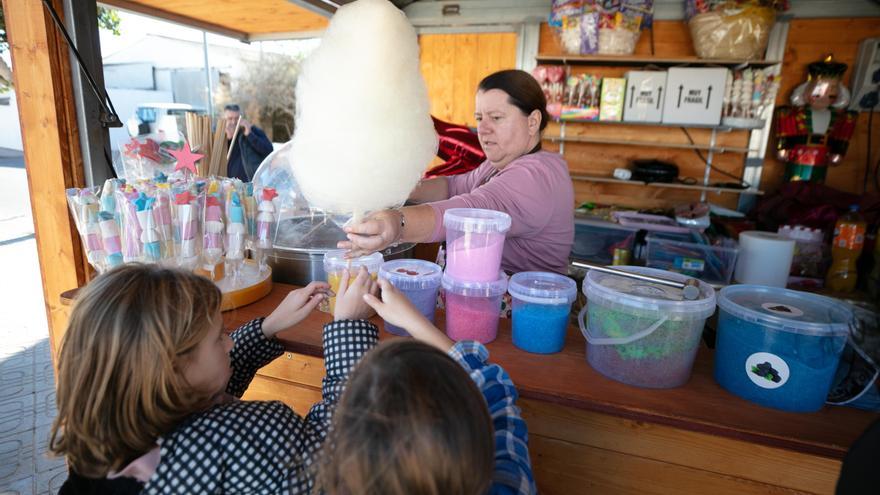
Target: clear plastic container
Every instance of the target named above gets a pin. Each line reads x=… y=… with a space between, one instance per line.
x=474 y=243
x=596 y=240
x=641 y=333
x=473 y=308
x=419 y=281
x=779 y=347
x=677 y=253
x=335 y=264
x=541 y=304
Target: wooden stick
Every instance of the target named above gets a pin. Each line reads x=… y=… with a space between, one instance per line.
x=234 y=135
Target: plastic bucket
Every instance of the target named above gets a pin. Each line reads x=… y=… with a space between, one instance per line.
x=640 y=333
x=541 y=303
x=777 y=347
x=335 y=264
x=474 y=243
x=419 y=281
x=473 y=308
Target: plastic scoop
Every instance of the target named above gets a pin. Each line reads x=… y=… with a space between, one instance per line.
x=690 y=288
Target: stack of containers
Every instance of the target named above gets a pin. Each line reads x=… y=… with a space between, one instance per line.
x=541 y=304
x=473 y=281
x=335 y=265
x=419 y=281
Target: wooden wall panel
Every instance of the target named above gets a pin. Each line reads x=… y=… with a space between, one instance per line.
x=51 y=148
x=810 y=40
x=453 y=65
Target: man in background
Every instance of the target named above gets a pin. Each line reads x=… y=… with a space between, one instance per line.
x=250 y=148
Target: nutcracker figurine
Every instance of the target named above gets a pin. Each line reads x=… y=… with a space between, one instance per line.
x=815 y=130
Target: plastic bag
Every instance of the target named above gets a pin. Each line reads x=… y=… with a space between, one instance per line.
x=732 y=32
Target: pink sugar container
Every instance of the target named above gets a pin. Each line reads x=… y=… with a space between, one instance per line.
x=474 y=243
x=472 y=308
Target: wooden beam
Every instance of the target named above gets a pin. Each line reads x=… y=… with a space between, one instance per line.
x=151 y=11
x=42 y=78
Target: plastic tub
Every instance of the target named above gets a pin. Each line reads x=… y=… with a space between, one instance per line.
x=541 y=305
x=640 y=333
x=678 y=253
x=419 y=281
x=335 y=264
x=597 y=240
x=473 y=308
x=779 y=347
x=474 y=243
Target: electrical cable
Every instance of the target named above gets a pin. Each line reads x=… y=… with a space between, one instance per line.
x=740 y=183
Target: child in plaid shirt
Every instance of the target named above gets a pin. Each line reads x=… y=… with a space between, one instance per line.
x=426 y=416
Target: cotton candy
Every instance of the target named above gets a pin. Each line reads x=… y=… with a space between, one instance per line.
x=364 y=134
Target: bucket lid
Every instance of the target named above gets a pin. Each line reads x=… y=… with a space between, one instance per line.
x=334 y=260
x=648 y=296
x=476 y=220
x=411 y=274
x=475 y=289
x=542 y=288
x=787 y=310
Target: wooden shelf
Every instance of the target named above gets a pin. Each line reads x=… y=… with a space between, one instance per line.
x=652 y=144
x=719 y=128
x=636 y=60
x=668 y=185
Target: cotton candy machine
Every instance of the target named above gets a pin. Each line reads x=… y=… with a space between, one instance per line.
x=304 y=233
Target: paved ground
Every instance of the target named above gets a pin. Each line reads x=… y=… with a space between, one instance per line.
x=27 y=387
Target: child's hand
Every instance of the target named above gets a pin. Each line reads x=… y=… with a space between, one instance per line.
x=397 y=310
x=350 y=303
x=295 y=307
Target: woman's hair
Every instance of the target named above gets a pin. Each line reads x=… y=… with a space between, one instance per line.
x=523 y=91
x=411 y=421
x=120 y=377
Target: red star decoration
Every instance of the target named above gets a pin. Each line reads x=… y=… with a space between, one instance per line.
x=186 y=159
x=132 y=147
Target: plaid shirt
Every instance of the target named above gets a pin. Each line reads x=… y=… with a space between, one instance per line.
x=249 y=446
x=513 y=468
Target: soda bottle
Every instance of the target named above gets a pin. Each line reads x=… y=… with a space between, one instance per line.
x=849 y=239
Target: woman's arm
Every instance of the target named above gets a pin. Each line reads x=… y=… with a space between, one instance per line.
x=436 y=189
x=383 y=228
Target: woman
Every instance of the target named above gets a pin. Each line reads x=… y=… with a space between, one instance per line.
x=518 y=178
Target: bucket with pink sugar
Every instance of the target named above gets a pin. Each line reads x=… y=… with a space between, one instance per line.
x=473 y=282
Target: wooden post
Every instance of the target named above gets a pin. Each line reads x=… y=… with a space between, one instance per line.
x=42 y=78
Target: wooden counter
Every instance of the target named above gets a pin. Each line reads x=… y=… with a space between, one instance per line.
x=589 y=433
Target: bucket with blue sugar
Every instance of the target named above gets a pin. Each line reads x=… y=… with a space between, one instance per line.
x=541 y=303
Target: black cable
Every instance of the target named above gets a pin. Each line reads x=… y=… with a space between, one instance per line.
x=742 y=184
x=109 y=117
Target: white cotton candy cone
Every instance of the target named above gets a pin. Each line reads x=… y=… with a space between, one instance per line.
x=364 y=134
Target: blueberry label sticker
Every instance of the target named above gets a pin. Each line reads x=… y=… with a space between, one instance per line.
x=767 y=370
x=782 y=309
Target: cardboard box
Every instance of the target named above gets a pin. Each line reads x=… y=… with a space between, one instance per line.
x=611 y=103
x=644 y=96
x=694 y=96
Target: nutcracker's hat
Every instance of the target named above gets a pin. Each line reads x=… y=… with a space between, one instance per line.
x=826 y=69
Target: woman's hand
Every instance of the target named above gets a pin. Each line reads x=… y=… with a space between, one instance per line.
x=376 y=232
x=396 y=309
x=350 y=303
x=295 y=307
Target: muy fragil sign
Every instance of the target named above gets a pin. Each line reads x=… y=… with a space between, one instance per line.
x=694 y=96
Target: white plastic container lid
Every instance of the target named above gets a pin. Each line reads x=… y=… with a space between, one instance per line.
x=334 y=261
x=411 y=274
x=476 y=220
x=628 y=294
x=787 y=310
x=542 y=288
x=476 y=289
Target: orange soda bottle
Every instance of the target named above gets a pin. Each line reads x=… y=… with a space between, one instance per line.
x=849 y=239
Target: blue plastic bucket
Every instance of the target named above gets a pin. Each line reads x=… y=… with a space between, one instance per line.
x=779 y=348
x=541 y=303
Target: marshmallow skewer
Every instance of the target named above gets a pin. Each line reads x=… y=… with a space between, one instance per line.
x=236 y=230
x=150 y=237
x=110 y=239
x=186 y=224
x=265 y=224
x=212 y=241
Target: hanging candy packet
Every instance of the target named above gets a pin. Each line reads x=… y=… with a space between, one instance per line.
x=84 y=208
